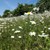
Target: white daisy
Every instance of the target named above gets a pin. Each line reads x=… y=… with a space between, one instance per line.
x=49 y=28
x=20 y=27
x=12 y=36
x=45 y=27
x=19 y=36
x=36 y=8
x=33 y=22
x=42 y=22
x=25 y=49
x=42 y=31
x=13 y=29
x=32 y=33
x=43 y=35
x=42 y=18
x=17 y=31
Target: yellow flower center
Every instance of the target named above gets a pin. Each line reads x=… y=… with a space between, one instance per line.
x=28 y=12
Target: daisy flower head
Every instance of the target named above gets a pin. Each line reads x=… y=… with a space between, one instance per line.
x=12 y=36
x=19 y=36
x=32 y=22
x=32 y=33
x=17 y=31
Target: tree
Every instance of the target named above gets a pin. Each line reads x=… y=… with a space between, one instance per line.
x=43 y=5
x=6 y=13
x=22 y=8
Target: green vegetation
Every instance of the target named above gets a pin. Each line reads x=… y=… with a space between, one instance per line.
x=7 y=13
x=43 y=5
x=25 y=34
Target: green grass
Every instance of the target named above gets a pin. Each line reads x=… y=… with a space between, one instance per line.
x=26 y=42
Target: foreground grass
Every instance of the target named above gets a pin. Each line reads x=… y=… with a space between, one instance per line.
x=25 y=34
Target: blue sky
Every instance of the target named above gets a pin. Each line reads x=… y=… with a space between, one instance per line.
x=12 y=4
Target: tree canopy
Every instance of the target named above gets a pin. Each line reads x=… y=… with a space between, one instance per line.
x=43 y=5
x=6 y=13
x=22 y=8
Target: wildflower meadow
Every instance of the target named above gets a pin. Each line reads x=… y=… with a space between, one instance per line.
x=25 y=34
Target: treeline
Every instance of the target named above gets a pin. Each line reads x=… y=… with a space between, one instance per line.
x=18 y=11
x=22 y=8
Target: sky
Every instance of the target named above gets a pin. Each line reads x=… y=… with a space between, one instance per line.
x=12 y=4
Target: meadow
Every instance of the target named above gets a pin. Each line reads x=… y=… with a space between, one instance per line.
x=25 y=34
